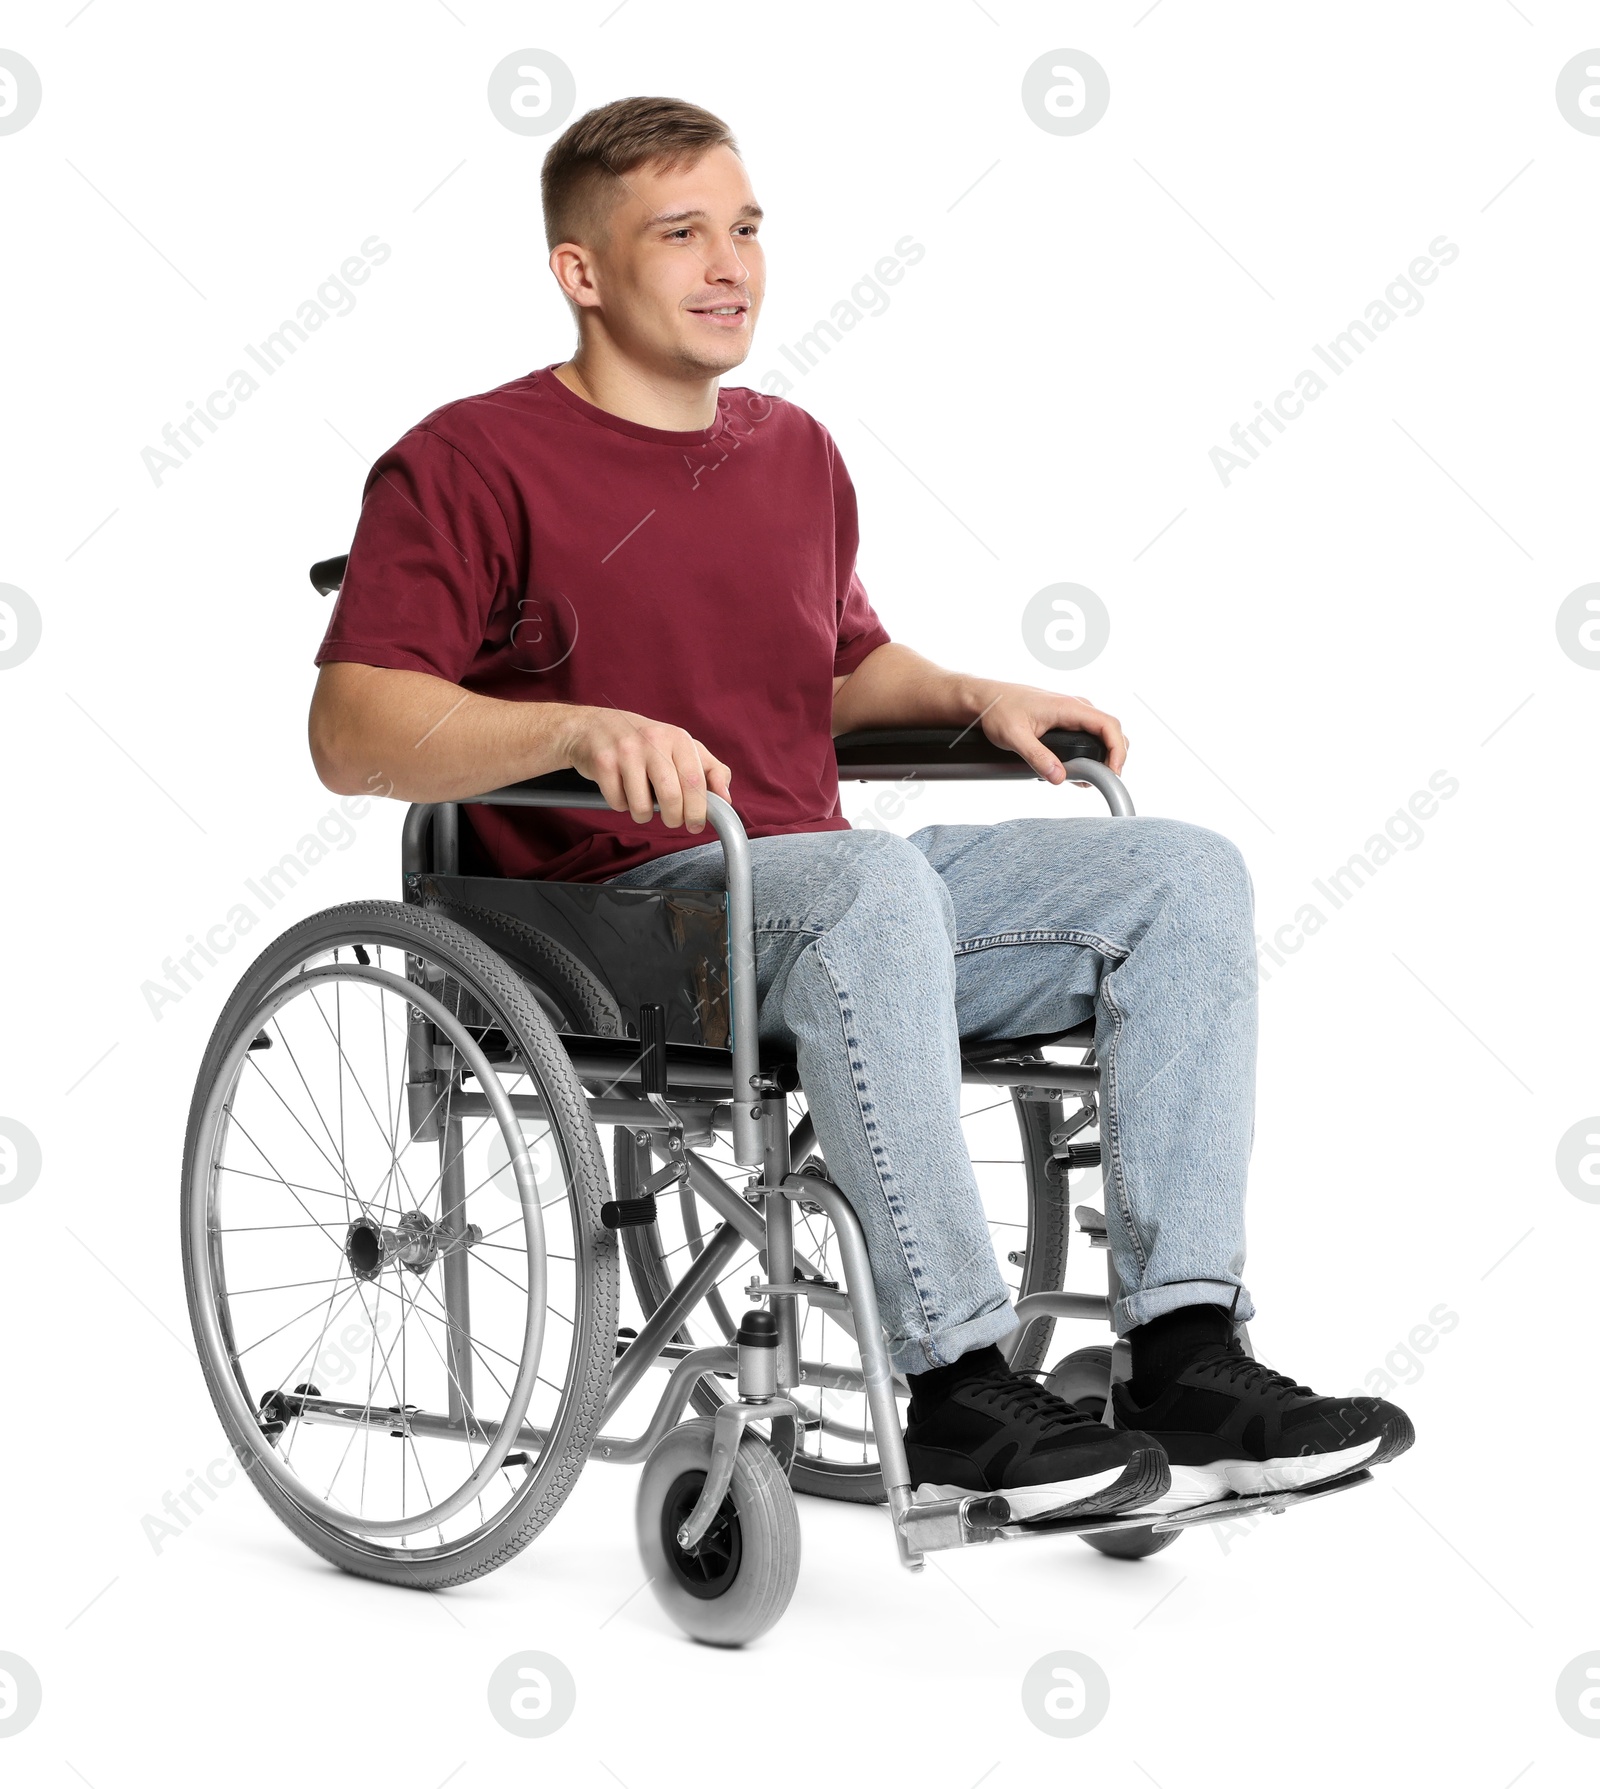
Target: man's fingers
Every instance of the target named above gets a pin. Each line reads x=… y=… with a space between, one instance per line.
x=717 y=774
x=691 y=778
x=1108 y=729
x=1038 y=755
x=636 y=789
x=664 y=777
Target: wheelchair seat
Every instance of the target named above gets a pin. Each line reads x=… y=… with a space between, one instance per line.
x=594 y=956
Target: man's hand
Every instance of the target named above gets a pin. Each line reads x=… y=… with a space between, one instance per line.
x=638 y=762
x=1014 y=715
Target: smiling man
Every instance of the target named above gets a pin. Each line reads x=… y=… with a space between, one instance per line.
x=617 y=563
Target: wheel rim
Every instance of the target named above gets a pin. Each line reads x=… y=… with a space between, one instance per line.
x=256 y=1363
x=711 y=1569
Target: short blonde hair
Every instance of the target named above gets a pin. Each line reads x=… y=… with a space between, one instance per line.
x=582 y=174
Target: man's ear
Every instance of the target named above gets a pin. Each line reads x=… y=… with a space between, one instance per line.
x=574 y=271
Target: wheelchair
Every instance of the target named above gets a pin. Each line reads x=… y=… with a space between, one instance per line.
x=403 y=1243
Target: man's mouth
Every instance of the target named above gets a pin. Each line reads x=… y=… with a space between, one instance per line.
x=723 y=316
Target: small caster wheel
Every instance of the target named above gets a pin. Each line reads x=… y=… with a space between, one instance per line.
x=1131 y=1543
x=1083 y=1379
x=739 y=1579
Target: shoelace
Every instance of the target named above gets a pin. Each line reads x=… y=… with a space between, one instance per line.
x=1234 y=1364
x=1013 y=1396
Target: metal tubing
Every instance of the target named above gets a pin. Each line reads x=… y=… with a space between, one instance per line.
x=635 y=1114
x=741 y=943
x=622 y=1450
x=874 y=1355
x=779 y=1252
x=1049 y=1077
x=414 y=835
x=1087 y=1305
x=723 y=1200
x=667 y=1319
x=447 y=839
x=727 y=1433
x=1110 y=785
x=457 y=1303
x=803 y=1138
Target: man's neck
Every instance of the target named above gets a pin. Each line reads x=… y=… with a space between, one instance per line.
x=614 y=384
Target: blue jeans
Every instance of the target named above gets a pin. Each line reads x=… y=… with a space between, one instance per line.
x=876 y=953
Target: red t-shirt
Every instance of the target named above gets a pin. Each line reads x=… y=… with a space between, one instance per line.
x=526 y=545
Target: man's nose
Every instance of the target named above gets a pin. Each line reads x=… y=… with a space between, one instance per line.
x=725 y=267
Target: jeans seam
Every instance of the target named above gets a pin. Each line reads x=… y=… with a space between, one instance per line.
x=1112 y=1134
x=890 y=1199
x=1042 y=935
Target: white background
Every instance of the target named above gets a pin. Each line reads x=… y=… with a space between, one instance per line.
x=1294 y=656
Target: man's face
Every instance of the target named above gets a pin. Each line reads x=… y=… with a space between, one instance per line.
x=681 y=275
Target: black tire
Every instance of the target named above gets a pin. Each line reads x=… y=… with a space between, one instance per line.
x=573 y=999
x=737 y=1584
x=487 y=982
x=653 y=1266
x=1131 y=1543
x=1083 y=1379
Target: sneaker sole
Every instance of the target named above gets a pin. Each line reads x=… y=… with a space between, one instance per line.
x=1194 y=1485
x=1145 y=1477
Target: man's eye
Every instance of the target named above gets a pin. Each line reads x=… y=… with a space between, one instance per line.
x=677 y=233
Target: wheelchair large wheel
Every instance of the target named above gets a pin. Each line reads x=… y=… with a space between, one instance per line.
x=739 y=1580
x=403 y=1297
x=1009 y=1139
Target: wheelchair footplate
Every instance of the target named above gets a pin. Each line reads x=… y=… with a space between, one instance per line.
x=936 y=1524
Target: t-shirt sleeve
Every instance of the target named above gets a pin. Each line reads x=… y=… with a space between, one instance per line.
x=431 y=552
x=860 y=632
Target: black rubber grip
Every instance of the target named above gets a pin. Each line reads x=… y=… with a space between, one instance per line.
x=653 y=1049
x=947 y=754
x=628 y=1214
x=328 y=574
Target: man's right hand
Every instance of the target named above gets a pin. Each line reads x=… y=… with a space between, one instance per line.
x=639 y=763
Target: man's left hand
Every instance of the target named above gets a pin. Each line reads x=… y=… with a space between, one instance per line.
x=1015 y=715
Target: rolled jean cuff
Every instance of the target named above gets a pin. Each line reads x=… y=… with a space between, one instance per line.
x=915 y=1354
x=1141 y=1307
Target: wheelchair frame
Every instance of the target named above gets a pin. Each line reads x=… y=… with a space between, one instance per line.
x=753 y=1100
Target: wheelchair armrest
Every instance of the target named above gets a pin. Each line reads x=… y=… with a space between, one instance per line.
x=947 y=754
x=541 y=791
x=328 y=574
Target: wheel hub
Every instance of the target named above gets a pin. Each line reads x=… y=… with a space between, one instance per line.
x=416 y=1241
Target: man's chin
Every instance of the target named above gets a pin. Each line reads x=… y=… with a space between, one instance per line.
x=714 y=358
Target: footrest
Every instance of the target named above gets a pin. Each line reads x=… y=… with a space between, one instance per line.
x=1225 y=1509
x=1228 y=1509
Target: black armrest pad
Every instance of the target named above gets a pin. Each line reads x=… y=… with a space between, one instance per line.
x=328 y=574
x=947 y=754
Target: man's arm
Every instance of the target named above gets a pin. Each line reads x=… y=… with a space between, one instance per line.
x=429 y=740
x=896 y=687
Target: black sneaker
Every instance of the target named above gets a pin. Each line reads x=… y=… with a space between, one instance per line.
x=1002 y=1433
x=1231 y=1425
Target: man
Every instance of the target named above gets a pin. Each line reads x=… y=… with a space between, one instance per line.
x=615 y=564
